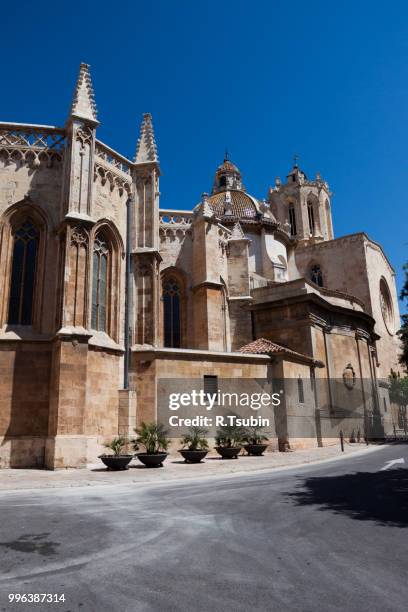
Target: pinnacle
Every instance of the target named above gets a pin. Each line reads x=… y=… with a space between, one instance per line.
x=83 y=102
x=205 y=207
x=146 y=150
x=237 y=233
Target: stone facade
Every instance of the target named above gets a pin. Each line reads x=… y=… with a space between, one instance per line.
x=102 y=293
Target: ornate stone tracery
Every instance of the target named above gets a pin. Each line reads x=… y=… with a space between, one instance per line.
x=84 y=135
x=79 y=236
x=31 y=145
x=112 y=168
x=115 y=181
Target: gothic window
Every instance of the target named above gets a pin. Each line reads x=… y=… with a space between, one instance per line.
x=310 y=213
x=24 y=263
x=171 y=307
x=101 y=256
x=386 y=306
x=316 y=275
x=292 y=220
x=223 y=181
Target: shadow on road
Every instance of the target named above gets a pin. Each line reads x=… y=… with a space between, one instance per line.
x=381 y=496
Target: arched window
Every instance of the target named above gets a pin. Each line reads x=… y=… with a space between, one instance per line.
x=316 y=275
x=171 y=311
x=24 y=264
x=100 y=271
x=310 y=213
x=386 y=306
x=292 y=220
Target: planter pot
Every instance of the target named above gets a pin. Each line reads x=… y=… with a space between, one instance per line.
x=256 y=449
x=193 y=456
x=118 y=462
x=152 y=461
x=228 y=452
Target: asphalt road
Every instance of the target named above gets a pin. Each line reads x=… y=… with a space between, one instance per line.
x=317 y=538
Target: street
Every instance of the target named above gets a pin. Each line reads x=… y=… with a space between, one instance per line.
x=320 y=537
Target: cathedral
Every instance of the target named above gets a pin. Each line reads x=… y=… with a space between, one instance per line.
x=103 y=293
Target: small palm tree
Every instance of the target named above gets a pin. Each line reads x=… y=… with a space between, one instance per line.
x=117 y=445
x=255 y=435
x=229 y=436
x=195 y=439
x=153 y=436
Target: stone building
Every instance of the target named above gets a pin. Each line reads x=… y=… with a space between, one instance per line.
x=102 y=293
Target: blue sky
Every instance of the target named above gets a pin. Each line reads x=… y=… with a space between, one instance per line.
x=328 y=81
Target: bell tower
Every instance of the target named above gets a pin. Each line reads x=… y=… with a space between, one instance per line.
x=227 y=177
x=303 y=206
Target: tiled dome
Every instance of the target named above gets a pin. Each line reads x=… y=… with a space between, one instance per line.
x=241 y=205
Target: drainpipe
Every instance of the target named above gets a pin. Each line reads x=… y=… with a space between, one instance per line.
x=128 y=304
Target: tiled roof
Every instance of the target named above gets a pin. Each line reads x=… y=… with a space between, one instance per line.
x=242 y=204
x=267 y=347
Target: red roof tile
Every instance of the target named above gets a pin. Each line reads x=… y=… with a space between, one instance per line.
x=261 y=346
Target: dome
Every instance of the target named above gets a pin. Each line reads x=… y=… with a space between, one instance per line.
x=234 y=203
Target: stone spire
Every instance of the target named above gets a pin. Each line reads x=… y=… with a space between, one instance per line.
x=83 y=102
x=146 y=150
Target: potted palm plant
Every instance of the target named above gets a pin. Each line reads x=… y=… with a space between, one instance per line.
x=153 y=437
x=118 y=460
x=197 y=446
x=255 y=438
x=228 y=440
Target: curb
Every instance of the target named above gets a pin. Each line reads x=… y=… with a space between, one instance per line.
x=199 y=478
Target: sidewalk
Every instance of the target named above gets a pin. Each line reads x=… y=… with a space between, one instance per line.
x=174 y=469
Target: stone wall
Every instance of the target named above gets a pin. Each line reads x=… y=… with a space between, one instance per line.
x=356 y=265
x=24 y=401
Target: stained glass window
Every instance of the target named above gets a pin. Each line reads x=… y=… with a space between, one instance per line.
x=171 y=306
x=24 y=265
x=99 y=284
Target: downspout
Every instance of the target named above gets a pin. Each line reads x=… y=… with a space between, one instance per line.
x=128 y=304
